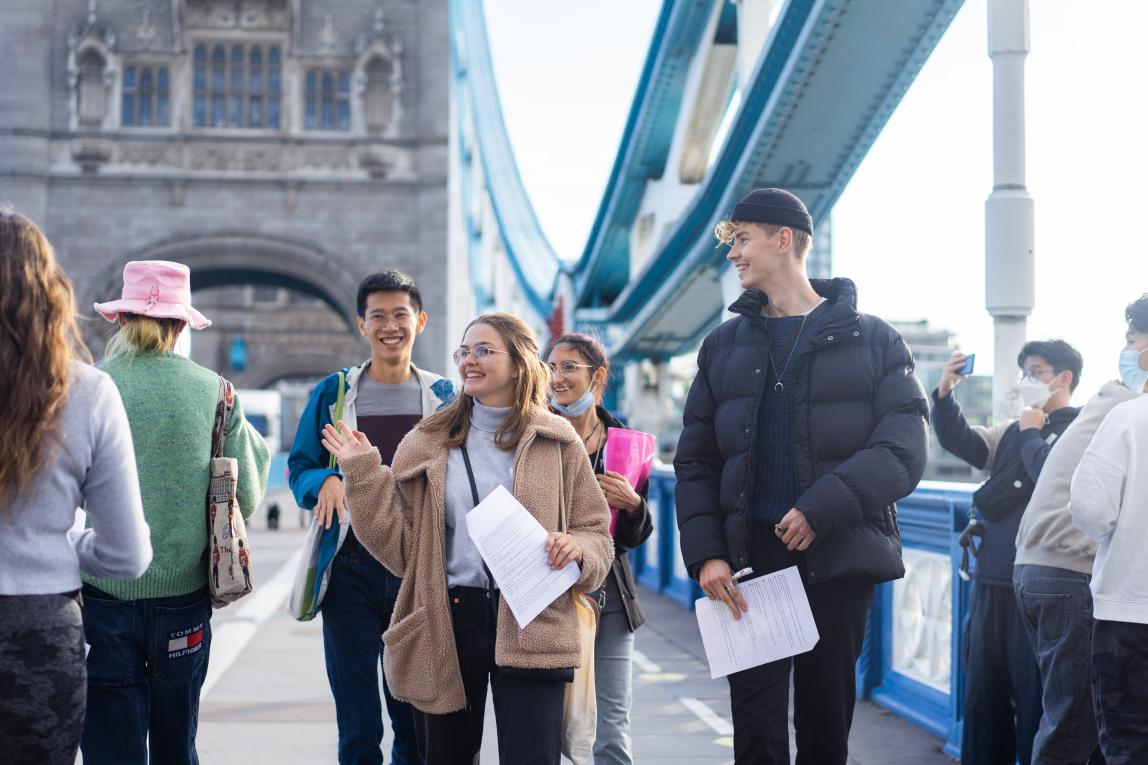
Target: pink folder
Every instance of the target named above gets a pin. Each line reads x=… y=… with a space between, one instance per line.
x=631 y=453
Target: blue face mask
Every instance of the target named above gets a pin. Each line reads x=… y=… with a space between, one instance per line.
x=1130 y=372
x=575 y=408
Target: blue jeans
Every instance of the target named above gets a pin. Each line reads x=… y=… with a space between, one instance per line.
x=145 y=669
x=1056 y=606
x=613 y=658
x=356 y=611
x=1002 y=691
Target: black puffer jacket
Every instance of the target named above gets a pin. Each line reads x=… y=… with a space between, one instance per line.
x=860 y=439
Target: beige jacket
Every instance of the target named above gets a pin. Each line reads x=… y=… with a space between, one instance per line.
x=399 y=516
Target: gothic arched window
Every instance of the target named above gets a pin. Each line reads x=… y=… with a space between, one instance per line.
x=92 y=99
x=377 y=101
x=237 y=85
x=327 y=99
x=146 y=96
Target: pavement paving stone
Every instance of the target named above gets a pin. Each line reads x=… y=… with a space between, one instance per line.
x=273 y=705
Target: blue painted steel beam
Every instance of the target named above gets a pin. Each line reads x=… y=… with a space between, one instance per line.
x=831 y=76
x=533 y=260
x=604 y=268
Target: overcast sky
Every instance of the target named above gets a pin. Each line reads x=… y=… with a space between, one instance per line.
x=909 y=228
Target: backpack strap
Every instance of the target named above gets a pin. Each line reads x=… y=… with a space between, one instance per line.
x=224 y=406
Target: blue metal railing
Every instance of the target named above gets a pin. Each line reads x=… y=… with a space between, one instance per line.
x=930 y=519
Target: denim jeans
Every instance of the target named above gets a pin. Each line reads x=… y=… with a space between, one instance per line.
x=527 y=710
x=146 y=666
x=1056 y=606
x=613 y=660
x=356 y=611
x=1002 y=691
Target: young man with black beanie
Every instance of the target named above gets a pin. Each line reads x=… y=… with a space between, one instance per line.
x=803 y=427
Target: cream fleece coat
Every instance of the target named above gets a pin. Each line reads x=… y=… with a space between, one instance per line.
x=398 y=515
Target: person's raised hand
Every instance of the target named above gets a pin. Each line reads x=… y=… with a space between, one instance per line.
x=344 y=442
x=1033 y=417
x=951 y=376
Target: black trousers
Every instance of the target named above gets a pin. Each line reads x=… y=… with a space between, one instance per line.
x=42 y=679
x=1120 y=690
x=527 y=706
x=1003 y=702
x=824 y=681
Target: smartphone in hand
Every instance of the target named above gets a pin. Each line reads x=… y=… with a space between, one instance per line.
x=967 y=369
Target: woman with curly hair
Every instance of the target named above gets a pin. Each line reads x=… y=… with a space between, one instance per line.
x=64 y=442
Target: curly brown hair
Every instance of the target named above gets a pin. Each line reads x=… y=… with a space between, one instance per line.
x=530 y=387
x=39 y=340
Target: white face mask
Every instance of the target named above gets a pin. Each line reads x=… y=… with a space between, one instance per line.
x=1033 y=392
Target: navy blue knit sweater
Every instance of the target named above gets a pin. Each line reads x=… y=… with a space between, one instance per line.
x=776 y=477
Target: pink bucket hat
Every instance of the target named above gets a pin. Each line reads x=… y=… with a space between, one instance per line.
x=156 y=288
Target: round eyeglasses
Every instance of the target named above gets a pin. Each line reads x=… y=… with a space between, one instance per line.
x=400 y=320
x=480 y=352
x=568 y=368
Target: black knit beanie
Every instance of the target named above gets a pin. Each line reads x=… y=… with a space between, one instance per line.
x=777 y=207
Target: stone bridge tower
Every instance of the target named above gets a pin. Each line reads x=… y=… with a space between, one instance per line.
x=282 y=149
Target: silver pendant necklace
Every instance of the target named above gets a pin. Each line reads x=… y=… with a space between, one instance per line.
x=779 y=385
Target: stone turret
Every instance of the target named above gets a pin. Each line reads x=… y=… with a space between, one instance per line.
x=26 y=28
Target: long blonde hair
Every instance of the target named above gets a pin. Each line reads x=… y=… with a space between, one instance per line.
x=144 y=335
x=39 y=340
x=530 y=387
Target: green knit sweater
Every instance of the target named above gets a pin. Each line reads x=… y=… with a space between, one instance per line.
x=170 y=401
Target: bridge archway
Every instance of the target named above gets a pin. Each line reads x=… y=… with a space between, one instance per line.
x=227 y=258
x=281 y=339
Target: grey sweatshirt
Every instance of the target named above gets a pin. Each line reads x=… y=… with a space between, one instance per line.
x=492 y=467
x=40 y=551
x=1047 y=535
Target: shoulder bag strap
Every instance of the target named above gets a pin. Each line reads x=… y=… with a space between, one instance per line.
x=224 y=406
x=340 y=400
x=562 y=521
x=474 y=495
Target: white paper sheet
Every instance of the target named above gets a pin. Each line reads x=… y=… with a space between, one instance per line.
x=779 y=624
x=513 y=544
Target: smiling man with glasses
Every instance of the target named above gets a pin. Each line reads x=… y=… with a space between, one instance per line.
x=1003 y=691
x=384 y=397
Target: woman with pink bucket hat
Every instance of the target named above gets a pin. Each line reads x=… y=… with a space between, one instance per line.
x=150 y=637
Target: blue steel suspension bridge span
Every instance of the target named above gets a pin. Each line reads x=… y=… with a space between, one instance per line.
x=815 y=82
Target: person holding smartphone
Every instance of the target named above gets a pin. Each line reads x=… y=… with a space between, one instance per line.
x=1003 y=690
x=1054 y=562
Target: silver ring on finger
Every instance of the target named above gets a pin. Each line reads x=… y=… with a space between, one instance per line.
x=730 y=587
